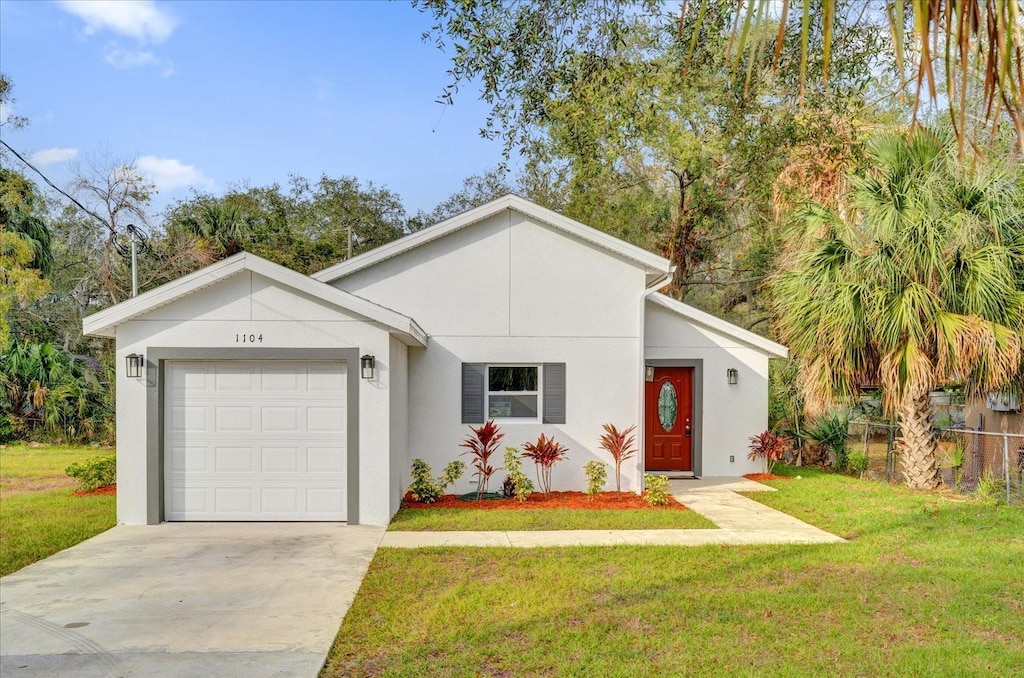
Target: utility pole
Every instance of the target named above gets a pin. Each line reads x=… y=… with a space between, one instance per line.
x=135 y=266
x=349 y=241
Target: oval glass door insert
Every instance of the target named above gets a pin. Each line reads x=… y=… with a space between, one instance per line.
x=668 y=406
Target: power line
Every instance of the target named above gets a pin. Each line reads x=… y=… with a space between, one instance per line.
x=58 y=189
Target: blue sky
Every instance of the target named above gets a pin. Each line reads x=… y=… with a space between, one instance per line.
x=210 y=94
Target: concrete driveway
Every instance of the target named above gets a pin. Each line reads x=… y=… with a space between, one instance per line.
x=185 y=599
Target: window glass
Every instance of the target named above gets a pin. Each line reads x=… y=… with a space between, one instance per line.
x=512 y=378
x=499 y=406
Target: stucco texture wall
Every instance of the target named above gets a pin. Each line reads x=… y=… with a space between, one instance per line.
x=249 y=304
x=511 y=290
x=731 y=413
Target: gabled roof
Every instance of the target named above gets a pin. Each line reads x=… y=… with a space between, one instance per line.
x=651 y=263
x=716 y=324
x=105 y=322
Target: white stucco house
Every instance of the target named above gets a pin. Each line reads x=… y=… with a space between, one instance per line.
x=251 y=402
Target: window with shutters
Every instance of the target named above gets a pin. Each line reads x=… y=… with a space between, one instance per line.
x=514 y=392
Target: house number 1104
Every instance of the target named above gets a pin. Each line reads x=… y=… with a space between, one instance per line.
x=248 y=338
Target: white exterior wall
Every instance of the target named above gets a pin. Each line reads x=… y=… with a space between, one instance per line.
x=513 y=290
x=399 y=430
x=250 y=304
x=731 y=414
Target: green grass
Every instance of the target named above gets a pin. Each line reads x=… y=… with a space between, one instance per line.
x=439 y=519
x=37 y=521
x=24 y=461
x=929 y=585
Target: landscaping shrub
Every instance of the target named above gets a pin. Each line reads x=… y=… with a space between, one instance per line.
x=481 y=445
x=657 y=489
x=517 y=483
x=427 y=490
x=94 y=472
x=830 y=432
x=858 y=462
x=544 y=453
x=955 y=460
x=991 y=489
x=619 y=444
x=769 y=448
x=597 y=475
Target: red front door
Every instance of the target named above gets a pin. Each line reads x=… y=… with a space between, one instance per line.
x=668 y=419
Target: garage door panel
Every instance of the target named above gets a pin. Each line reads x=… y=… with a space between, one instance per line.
x=280 y=460
x=234 y=379
x=255 y=440
x=327 y=381
x=281 y=419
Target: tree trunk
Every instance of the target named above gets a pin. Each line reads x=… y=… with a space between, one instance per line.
x=916 y=445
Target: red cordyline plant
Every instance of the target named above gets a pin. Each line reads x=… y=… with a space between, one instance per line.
x=544 y=453
x=769 y=448
x=481 y=445
x=619 y=444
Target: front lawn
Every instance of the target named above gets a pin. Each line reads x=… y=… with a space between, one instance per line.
x=37 y=520
x=928 y=585
x=435 y=519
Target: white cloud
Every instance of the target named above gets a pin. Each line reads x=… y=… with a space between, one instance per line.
x=139 y=19
x=52 y=156
x=170 y=173
x=126 y=58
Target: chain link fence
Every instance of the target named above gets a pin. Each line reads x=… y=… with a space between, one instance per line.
x=988 y=464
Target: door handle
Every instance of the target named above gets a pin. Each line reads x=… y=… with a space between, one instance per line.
x=687 y=430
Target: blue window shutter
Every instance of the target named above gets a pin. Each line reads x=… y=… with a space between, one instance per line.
x=554 y=393
x=473 y=392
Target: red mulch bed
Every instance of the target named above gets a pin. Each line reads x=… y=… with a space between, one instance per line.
x=765 y=476
x=572 y=500
x=106 y=489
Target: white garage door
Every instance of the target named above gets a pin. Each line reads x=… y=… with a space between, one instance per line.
x=254 y=440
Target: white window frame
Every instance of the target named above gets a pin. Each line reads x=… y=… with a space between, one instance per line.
x=539 y=393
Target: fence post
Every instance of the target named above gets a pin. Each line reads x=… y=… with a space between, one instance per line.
x=1006 y=465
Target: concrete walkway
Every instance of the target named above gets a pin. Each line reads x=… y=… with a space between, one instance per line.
x=185 y=599
x=740 y=521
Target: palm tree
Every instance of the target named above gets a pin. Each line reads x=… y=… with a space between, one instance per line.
x=915 y=285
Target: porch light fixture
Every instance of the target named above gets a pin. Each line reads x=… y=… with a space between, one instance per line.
x=734 y=375
x=133 y=365
x=366 y=363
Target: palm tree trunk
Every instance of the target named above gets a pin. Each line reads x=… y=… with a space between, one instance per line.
x=916 y=444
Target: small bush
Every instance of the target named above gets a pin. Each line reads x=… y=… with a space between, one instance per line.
x=544 y=453
x=94 y=472
x=518 y=484
x=991 y=489
x=597 y=474
x=858 y=462
x=427 y=490
x=481 y=445
x=657 y=489
x=621 y=445
x=769 y=448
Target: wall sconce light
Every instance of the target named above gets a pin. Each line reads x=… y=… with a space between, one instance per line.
x=649 y=373
x=367 y=363
x=734 y=375
x=133 y=365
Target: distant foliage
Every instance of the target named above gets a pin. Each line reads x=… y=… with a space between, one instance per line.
x=94 y=472
x=597 y=475
x=427 y=490
x=46 y=393
x=545 y=453
x=657 y=489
